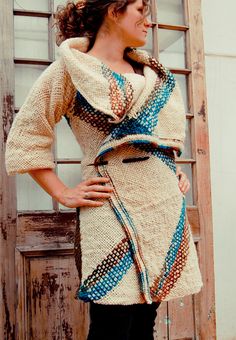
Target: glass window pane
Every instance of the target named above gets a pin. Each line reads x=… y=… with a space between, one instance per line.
x=30 y=196
x=29 y=5
x=67 y=145
x=31 y=37
x=182 y=81
x=58 y=3
x=170 y=12
x=172 y=48
x=187 y=168
x=25 y=76
x=70 y=174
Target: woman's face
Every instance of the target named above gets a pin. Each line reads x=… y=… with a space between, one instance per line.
x=133 y=25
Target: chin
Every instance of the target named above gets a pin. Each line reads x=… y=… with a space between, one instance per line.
x=139 y=43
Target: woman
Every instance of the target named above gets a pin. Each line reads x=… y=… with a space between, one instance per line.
x=125 y=109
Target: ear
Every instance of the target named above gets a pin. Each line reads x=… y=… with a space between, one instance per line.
x=112 y=13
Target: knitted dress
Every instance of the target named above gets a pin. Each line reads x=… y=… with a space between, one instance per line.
x=138 y=246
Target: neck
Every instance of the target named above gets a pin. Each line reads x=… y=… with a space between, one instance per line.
x=112 y=55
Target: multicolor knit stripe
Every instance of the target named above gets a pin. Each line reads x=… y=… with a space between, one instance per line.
x=131 y=232
x=121 y=91
x=156 y=149
x=165 y=155
x=147 y=117
x=86 y=112
x=175 y=260
x=107 y=274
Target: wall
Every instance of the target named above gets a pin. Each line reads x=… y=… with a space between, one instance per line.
x=219 y=27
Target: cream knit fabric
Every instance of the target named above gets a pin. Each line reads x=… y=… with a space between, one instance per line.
x=138 y=246
x=137 y=82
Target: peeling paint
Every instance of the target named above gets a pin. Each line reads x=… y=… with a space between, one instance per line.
x=62 y=299
x=68 y=330
x=55 y=334
x=65 y=274
x=211 y=312
x=202 y=111
x=48 y=284
x=197 y=65
x=7 y=114
x=50 y=232
x=65 y=219
x=9 y=330
x=3 y=228
x=201 y=151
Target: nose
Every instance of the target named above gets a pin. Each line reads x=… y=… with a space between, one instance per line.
x=147 y=23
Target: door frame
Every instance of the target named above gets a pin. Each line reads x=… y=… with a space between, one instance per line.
x=8 y=297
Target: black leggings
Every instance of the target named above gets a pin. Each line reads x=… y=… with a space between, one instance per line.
x=118 y=322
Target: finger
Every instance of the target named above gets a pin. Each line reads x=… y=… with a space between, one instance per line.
x=90 y=203
x=96 y=180
x=182 y=178
x=185 y=187
x=104 y=188
x=93 y=195
x=181 y=183
x=178 y=170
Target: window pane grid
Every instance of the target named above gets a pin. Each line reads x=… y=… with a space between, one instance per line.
x=25 y=13
x=27 y=5
x=28 y=61
x=173 y=27
x=64 y=163
x=174 y=23
x=171 y=11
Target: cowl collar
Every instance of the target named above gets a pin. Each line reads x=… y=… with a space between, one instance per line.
x=108 y=91
x=156 y=118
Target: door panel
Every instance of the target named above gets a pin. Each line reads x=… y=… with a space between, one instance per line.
x=51 y=284
x=48 y=279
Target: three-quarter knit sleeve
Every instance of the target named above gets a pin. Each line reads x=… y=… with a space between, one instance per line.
x=31 y=136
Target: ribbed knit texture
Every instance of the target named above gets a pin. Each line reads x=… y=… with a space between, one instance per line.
x=138 y=246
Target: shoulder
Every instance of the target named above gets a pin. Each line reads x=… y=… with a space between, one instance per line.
x=55 y=78
x=54 y=72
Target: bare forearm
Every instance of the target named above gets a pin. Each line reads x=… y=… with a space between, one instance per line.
x=89 y=193
x=49 y=181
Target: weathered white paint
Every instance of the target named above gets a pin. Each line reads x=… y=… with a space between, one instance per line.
x=219 y=36
x=41 y=5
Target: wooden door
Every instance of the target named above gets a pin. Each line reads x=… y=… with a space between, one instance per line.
x=39 y=279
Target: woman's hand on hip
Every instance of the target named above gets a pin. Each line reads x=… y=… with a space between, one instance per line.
x=184 y=183
x=88 y=193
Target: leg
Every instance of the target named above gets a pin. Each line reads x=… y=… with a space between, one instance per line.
x=144 y=321
x=110 y=322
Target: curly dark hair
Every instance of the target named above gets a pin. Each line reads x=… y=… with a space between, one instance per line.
x=84 y=18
